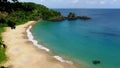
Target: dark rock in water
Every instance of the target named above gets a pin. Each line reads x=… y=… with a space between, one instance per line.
x=84 y=17
x=72 y=16
x=57 y=18
x=96 y=62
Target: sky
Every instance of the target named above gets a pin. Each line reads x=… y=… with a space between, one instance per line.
x=77 y=3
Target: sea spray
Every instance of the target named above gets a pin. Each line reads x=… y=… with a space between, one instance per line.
x=31 y=38
x=62 y=60
x=35 y=42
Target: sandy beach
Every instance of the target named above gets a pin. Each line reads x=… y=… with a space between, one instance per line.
x=22 y=53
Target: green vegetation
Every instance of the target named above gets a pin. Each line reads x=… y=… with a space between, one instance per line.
x=84 y=18
x=2 y=54
x=19 y=13
x=72 y=16
x=16 y=13
x=2 y=49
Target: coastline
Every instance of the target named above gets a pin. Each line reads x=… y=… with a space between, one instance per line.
x=35 y=42
x=23 y=54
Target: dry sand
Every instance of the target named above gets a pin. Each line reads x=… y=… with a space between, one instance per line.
x=23 y=54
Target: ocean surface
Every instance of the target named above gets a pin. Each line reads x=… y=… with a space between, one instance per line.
x=84 y=41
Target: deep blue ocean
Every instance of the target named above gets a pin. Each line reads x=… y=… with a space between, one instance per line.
x=84 y=41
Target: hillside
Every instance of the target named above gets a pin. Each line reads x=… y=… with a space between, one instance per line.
x=16 y=13
x=21 y=12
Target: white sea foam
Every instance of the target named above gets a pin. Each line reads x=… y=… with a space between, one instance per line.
x=35 y=42
x=31 y=38
x=62 y=60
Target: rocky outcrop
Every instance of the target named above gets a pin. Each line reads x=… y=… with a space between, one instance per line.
x=71 y=16
x=84 y=17
x=57 y=18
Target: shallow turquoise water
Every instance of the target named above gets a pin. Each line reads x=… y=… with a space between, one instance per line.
x=84 y=41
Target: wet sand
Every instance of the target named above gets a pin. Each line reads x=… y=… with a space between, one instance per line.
x=23 y=54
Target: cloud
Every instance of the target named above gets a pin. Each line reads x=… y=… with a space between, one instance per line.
x=41 y=0
x=115 y=0
x=75 y=1
x=95 y=2
x=91 y=2
x=102 y=2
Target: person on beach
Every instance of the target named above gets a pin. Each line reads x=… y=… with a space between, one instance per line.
x=1 y=43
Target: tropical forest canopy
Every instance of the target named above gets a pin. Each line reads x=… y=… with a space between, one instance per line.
x=15 y=12
x=19 y=12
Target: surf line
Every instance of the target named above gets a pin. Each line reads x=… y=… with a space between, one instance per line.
x=35 y=42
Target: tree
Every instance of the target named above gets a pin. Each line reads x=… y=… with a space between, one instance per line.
x=4 y=1
x=11 y=24
x=2 y=21
x=71 y=15
x=15 y=0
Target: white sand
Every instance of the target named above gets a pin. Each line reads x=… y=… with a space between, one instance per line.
x=23 y=54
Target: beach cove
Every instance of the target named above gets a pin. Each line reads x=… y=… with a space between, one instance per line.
x=83 y=41
x=22 y=53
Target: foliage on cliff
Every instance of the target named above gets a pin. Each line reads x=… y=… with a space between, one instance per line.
x=15 y=13
x=21 y=12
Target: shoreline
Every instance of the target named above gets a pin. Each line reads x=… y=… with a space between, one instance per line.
x=27 y=54
x=35 y=42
